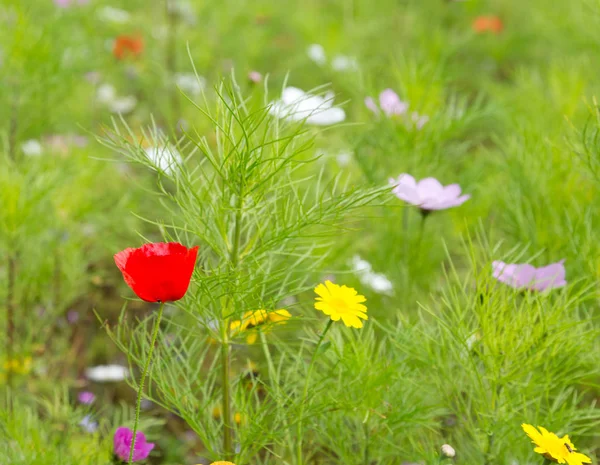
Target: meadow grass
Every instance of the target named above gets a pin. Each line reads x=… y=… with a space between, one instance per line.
x=175 y=141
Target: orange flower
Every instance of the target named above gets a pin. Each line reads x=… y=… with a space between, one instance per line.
x=488 y=24
x=128 y=45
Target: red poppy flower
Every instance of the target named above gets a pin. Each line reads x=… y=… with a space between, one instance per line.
x=488 y=23
x=128 y=45
x=158 y=272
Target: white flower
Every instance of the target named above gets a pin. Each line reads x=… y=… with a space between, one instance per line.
x=189 y=83
x=344 y=158
x=316 y=53
x=106 y=93
x=297 y=105
x=88 y=424
x=448 y=450
x=123 y=104
x=344 y=63
x=32 y=148
x=107 y=373
x=376 y=281
x=165 y=158
x=113 y=15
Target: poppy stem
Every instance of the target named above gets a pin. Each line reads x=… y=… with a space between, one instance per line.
x=305 y=392
x=10 y=326
x=138 y=402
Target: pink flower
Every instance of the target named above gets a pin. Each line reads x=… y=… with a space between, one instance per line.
x=255 y=76
x=389 y=102
x=62 y=3
x=525 y=276
x=122 y=441
x=427 y=194
x=86 y=397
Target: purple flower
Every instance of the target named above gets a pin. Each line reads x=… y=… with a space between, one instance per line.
x=123 y=439
x=525 y=276
x=389 y=102
x=72 y=316
x=428 y=194
x=86 y=397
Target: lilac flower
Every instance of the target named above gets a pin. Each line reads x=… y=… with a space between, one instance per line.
x=428 y=194
x=389 y=102
x=72 y=316
x=122 y=442
x=86 y=397
x=525 y=276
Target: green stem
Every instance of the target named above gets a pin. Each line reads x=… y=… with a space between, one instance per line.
x=226 y=386
x=138 y=402
x=275 y=386
x=305 y=392
x=10 y=326
x=171 y=57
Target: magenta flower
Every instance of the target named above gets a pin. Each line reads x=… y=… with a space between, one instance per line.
x=122 y=441
x=389 y=102
x=427 y=194
x=86 y=397
x=525 y=276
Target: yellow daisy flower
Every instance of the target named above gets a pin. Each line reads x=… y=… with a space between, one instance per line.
x=258 y=318
x=552 y=447
x=341 y=302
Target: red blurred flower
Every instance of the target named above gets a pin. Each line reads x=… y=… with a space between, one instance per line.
x=128 y=45
x=488 y=24
x=158 y=272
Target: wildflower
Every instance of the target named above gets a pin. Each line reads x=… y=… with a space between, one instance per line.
x=389 y=102
x=89 y=424
x=377 y=281
x=113 y=15
x=297 y=105
x=419 y=120
x=483 y=24
x=525 y=276
x=106 y=373
x=190 y=83
x=122 y=443
x=67 y=3
x=107 y=95
x=222 y=463
x=164 y=158
x=448 y=451
x=158 y=272
x=341 y=302
x=21 y=367
x=255 y=77
x=32 y=148
x=257 y=318
x=344 y=63
x=72 y=316
x=238 y=418
x=316 y=53
x=552 y=447
x=127 y=45
x=86 y=397
x=428 y=194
